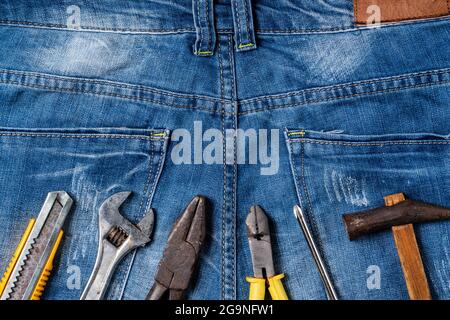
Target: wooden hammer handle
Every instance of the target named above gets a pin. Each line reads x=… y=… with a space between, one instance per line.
x=409 y=254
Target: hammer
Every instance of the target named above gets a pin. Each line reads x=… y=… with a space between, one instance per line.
x=399 y=214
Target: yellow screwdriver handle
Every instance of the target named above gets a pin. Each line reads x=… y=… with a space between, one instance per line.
x=257 y=288
x=276 y=288
x=15 y=256
x=45 y=275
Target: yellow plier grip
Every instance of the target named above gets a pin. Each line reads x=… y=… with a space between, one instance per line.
x=42 y=282
x=258 y=288
x=276 y=288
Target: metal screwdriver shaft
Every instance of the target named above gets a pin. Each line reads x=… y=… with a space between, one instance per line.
x=315 y=252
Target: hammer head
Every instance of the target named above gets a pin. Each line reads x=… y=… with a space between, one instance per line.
x=114 y=227
x=382 y=218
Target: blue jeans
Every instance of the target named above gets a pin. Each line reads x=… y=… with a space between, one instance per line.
x=132 y=95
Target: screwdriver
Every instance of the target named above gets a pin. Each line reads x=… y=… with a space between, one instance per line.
x=315 y=253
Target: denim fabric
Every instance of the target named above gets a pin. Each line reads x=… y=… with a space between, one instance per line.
x=93 y=97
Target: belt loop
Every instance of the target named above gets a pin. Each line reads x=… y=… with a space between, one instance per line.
x=244 y=29
x=203 y=11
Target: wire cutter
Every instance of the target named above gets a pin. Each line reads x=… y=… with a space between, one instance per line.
x=258 y=233
x=181 y=253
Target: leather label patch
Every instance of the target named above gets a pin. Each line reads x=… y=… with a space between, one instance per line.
x=379 y=11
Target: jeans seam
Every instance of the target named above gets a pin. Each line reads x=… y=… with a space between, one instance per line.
x=222 y=92
x=108 y=83
x=208 y=24
x=126 y=275
x=247 y=21
x=347 y=85
x=151 y=186
x=79 y=136
x=191 y=30
x=222 y=84
x=284 y=106
x=148 y=180
x=132 y=98
x=234 y=191
x=308 y=198
x=238 y=22
x=223 y=207
x=200 y=26
x=373 y=144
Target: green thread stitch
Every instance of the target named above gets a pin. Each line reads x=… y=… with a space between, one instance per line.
x=245 y=45
x=297 y=133
x=203 y=52
x=162 y=134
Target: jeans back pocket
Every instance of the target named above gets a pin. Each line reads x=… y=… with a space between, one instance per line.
x=91 y=165
x=337 y=173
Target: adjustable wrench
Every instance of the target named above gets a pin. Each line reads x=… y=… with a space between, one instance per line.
x=117 y=237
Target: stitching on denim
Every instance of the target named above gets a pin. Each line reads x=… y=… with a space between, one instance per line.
x=200 y=46
x=361 y=22
x=308 y=197
x=371 y=144
x=222 y=84
x=147 y=181
x=77 y=136
x=347 y=85
x=411 y=18
x=223 y=206
x=208 y=24
x=250 y=111
x=233 y=83
x=238 y=21
x=133 y=98
x=190 y=30
x=234 y=190
x=92 y=28
x=156 y=176
x=219 y=49
x=149 y=197
x=234 y=205
x=247 y=22
x=126 y=275
x=310 y=214
x=109 y=83
x=294 y=172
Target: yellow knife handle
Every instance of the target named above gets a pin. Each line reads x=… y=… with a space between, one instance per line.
x=16 y=255
x=276 y=288
x=257 y=288
x=45 y=275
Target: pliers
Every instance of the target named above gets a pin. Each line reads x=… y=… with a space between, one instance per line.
x=258 y=233
x=181 y=253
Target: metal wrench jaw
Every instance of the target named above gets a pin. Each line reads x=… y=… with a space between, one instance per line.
x=117 y=237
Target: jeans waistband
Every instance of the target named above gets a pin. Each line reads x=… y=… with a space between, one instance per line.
x=168 y=16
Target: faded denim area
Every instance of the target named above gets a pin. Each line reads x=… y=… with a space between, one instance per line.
x=88 y=106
